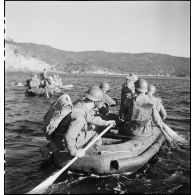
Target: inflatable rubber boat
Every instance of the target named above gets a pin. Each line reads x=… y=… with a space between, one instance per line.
x=117 y=154
x=42 y=92
x=56 y=91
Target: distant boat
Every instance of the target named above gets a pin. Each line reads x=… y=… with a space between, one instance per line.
x=20 y=84
x=13 y=83
x=66 y=86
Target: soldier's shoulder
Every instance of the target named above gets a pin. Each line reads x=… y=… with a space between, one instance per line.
x=153 y=99
x=143 y=98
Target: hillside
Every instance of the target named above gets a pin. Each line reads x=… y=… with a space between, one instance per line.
x=16 y=61
x=90 y=61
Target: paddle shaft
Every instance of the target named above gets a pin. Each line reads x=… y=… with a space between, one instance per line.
x=174 y=134
x=168 y=129
x=42 y=187
x=169 y=138
x=96 y=138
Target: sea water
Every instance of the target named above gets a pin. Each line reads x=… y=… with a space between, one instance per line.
x=168 y=172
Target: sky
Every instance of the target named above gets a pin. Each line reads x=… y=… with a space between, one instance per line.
x=128 y=26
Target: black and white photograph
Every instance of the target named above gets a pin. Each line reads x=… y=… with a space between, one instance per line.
x=97 y=97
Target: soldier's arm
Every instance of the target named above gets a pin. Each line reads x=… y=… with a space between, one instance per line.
x=109 y=100
x=162 y=111
x=156 y=117
x=96 y=120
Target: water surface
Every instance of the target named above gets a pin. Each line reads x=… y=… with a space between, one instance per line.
x=168 y=172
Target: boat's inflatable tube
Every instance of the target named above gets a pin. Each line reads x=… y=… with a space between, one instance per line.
x=119 y=156
x=42 y=92
x=134 y=163
x=57 y=91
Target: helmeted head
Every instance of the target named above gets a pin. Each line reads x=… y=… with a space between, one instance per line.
x=151 y=89
x=132 y=77
x=105 y=86
x=95 y=94
x=33 y=75
x=43 y=75
x=141 y=85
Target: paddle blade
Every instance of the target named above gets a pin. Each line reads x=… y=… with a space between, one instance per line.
x=174 y=135
x=41 y=188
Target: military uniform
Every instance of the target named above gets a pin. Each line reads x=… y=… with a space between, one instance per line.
x=140 y=116
x=127 y=91
x=109 y=101
x=78 y=133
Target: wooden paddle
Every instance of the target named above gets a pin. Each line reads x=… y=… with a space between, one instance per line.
x=169 y=139
x=174 y=135
x=42 y=187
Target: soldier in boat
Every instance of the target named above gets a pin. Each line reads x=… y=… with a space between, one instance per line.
x=127 y=91
x=71 y=128
x=33 y=83
x=105 y=87
x=108 y=102
x=140 y=115
x=78 y=134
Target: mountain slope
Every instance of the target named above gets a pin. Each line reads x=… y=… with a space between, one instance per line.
x=85 y=61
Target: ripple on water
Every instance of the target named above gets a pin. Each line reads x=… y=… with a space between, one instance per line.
x=168 y=172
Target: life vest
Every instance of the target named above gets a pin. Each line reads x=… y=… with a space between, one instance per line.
x=58 y=111
x=139 y=113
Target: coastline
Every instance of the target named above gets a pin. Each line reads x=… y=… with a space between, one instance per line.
x=100 y=74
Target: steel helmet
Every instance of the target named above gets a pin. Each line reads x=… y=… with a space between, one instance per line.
x=141 y=85
x=132 y=77
x=105 y=86
x=151 y=88
x=43 y=75
x=94 y=94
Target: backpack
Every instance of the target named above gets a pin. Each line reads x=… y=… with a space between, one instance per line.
x=139 y=113
x=57 y=112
